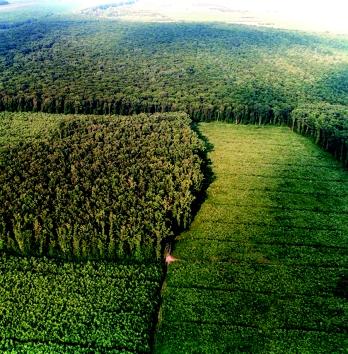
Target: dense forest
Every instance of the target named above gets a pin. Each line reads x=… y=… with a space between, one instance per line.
x=98 y=187
x=327 y=124
x=102 y=164
x=212 y=72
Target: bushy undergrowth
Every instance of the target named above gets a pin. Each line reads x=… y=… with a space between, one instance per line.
x=100 y=187
x=49 y=306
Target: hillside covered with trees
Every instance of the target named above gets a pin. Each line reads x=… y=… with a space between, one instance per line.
x=105 y=159
x=213 y=72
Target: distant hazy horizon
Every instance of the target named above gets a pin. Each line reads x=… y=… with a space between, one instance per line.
x=310 y=15
x=313 y=15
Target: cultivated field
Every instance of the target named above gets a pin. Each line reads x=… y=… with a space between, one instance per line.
x=54 y=307
x=263 y=267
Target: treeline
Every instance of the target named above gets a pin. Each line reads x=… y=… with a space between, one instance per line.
x=244 y=114
x=233 y=73
x=207 y=70
x=100 y=187
x=327 y=124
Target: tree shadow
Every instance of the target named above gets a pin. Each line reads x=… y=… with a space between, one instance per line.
x=208 y=174
x=341 y=289
x=169 y=243
x=201 y=195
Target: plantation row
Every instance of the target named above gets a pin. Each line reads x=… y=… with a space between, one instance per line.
x=100 y=188
x=123 y=105
x=47 y=306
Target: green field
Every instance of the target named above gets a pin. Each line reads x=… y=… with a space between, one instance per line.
x=263 y=266
x=53 y=307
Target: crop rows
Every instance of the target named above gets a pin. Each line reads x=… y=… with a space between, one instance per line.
x=258 y=277
x=272 y=217
x=262 y=253
x=274 y=199
x=264 y=311
x=263 y=267
x=91 y=305
x=181 y=337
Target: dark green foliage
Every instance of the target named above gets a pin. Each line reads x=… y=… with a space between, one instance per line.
x=213 y=72
x=100 y=188
x=222 y=338
x=52 y=307
x=257 y=277
x=327 y=124
x=262 y=310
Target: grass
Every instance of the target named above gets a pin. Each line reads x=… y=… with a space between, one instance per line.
x=263 y=267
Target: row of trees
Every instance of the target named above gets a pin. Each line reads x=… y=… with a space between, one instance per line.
x=100 y=67
x=327 y=124
x=254 y=114
x=212 y=72
x=100 y=187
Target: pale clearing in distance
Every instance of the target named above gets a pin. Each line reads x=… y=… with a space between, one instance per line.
x=310 y=15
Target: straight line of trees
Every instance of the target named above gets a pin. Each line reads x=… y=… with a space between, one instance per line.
x=212 y=72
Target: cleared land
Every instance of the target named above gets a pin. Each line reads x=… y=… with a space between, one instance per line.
x=263 y=267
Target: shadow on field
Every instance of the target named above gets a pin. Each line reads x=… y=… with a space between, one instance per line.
x=342 y=287
x=207 y=170
x=201 y=196
x=169 y=244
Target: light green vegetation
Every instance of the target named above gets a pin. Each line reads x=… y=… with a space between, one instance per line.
x=52 y=307
x=25 y=127
x=263 y=267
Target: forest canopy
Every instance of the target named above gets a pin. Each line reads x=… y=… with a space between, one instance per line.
x=224 y=72
x=99 y=187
